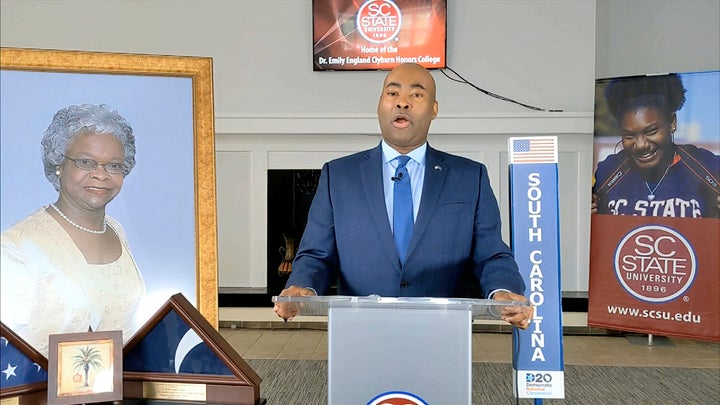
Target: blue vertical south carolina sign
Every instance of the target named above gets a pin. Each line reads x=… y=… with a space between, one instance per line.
x=538 y=367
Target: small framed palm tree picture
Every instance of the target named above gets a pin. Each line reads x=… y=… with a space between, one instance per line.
x=85 y=368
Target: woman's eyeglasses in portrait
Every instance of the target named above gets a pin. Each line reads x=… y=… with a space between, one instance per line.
x=89 y=165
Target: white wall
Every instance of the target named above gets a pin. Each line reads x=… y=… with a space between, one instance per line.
x=636 y=37
x=542 y=53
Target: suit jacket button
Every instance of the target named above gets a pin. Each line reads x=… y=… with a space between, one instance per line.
x=404 y=284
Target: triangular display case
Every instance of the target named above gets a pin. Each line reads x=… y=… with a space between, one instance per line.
x=23 y=370
x=179 y=356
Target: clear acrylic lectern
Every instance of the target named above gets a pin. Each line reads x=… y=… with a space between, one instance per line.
x=416 y=346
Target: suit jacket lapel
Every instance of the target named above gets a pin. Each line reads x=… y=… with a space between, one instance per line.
x=371 y=172
x=435 y=175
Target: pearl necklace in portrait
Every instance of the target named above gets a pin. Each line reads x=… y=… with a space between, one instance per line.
x=80 y=227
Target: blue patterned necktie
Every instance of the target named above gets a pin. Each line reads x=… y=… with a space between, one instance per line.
x=402 y=208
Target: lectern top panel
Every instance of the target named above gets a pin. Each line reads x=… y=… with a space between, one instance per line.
x=319 y=305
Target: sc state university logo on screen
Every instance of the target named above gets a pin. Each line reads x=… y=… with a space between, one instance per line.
x=379 y=21
x=655 y=263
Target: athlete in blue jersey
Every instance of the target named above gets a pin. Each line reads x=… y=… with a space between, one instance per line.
x=653 y=176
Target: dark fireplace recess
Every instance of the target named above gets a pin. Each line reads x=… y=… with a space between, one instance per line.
x=290 y=193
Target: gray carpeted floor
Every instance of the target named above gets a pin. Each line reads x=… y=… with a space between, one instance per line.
x=304 y=382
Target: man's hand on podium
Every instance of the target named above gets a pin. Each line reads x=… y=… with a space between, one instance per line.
x=288 y=310
x=517 y=316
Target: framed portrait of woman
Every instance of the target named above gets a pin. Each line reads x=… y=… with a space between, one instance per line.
x=166 y=205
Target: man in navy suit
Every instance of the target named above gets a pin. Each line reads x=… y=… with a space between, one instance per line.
x=456 y=237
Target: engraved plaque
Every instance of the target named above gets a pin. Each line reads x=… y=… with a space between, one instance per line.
x=163 y=390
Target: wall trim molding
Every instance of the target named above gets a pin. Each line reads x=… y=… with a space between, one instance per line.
x=366 y=124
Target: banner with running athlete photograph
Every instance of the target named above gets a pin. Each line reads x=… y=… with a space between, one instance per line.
x=655 y=226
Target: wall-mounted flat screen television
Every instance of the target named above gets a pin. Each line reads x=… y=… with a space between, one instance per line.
x=378 y=34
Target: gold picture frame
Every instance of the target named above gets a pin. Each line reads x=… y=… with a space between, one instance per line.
x=199 y=70
x=85 y=367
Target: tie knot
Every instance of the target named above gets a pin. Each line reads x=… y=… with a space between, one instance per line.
x=402 y=161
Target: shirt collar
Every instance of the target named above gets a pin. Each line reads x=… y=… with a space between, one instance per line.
x=417 y=154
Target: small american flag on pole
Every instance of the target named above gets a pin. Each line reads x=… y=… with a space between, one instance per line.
x=534 y=149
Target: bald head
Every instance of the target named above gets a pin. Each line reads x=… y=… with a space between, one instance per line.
x=421 y=77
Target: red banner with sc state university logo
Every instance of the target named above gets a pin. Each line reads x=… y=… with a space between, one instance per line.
x=655 y=275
